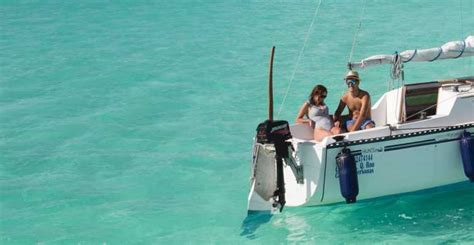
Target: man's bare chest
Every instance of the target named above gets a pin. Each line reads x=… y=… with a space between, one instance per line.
x=354 y=103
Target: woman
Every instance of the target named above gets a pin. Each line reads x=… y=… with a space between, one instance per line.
x=317 y=114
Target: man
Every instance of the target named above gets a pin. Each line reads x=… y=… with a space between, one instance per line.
x=358 y=102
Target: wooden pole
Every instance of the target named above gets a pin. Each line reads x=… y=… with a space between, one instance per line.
x=270 y=87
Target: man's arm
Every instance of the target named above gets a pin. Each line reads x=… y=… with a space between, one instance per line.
x=363 y=114
x=340 y=108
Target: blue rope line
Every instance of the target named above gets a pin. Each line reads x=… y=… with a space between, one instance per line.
x=462 y=51
x=413 y=56
x=437 y=56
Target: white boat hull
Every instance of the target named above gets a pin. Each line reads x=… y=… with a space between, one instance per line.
x=385 y=166
x=395 y=166
x=407 y=157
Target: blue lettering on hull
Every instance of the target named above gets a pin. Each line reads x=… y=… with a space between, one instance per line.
x=365 y=164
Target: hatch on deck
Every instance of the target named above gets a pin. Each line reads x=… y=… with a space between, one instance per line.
x=420 y=100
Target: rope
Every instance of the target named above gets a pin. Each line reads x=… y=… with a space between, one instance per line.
x=396 y=69
x=412 y=56
x=395 y=72
x=357 y=32
x=462 y=50
x=440 y=50
x=299 y=57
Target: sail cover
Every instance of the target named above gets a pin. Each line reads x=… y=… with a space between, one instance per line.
x=450 y=50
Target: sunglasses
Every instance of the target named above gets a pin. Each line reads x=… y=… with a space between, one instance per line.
x=351 y=82
x=323 y=96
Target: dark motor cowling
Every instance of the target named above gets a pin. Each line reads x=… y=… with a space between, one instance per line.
x=273 y=131
x=467 y=154
x=276 y=133
x=348 y=181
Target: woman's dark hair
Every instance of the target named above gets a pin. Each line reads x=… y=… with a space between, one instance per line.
x=317 y=90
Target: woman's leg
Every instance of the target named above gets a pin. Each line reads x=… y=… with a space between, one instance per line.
x=320 y=134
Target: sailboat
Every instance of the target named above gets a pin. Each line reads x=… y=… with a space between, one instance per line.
x=423 y=139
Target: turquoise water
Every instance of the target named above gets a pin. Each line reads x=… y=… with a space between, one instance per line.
x=132 y=122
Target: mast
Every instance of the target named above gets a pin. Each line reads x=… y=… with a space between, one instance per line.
x=270 y=87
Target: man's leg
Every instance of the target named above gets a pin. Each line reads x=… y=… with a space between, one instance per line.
x=368 y=124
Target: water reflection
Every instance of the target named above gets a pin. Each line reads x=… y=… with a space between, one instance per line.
x=431 y=216
x=253 y=221
x=297 y=228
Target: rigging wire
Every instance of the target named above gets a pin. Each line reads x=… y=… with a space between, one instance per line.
x=462 y=30
x=472 y=12
x=299 y=56
x=461 y=17
x=357 y=31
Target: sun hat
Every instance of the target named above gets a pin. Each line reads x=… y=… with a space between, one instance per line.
x=352 y=74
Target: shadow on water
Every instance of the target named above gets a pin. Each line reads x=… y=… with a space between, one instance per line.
x=254 y=220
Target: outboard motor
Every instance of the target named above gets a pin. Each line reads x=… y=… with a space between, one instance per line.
x=276 y=133
x=467 y=154
x=348 y=181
